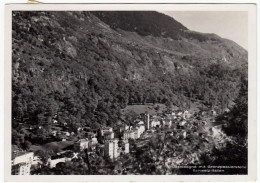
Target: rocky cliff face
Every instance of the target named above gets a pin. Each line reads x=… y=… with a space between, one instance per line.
x=120 y=57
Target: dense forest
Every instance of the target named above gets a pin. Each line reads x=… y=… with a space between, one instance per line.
x=82 y=68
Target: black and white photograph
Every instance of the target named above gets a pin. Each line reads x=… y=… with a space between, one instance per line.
x=129 y=92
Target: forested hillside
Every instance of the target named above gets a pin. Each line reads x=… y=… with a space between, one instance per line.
x=85 y=67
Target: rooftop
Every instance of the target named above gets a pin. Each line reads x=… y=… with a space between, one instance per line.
x=19 y=153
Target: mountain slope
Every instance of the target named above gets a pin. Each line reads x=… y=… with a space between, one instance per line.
x=86 y=66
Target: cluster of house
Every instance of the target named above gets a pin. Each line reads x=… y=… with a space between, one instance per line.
x=111 y=148
x=151 y=122
x=134 y=132
x=166 y=120
x=107 y=142
x=191 y=133
x=106 y=145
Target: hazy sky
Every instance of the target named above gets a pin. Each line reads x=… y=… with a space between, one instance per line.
x=231 y=25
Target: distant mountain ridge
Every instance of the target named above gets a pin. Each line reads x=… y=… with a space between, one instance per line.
x=143 y=22
x=149 y=23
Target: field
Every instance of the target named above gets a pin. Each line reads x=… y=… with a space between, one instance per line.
x=142 y=108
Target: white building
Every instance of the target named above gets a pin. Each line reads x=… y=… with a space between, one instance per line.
x=94 y=140
x=53 y=162
x=92 y=143
x=63 y=157
x=21 y=164
x=115 y=148
x=111 y=149
x=24 y=158
x=155 y=123
x=36 y=160
x=126 y=146
x=82 y=144
x=126 y=135
x=108 y=135
x=141 y=128
x=140 y=123
x=136 y=133
x=179 y=113
x=131 y=134
x=186 y=114
x=127 y=127
x=105 y=130
x=184 y=134
x=21 y=169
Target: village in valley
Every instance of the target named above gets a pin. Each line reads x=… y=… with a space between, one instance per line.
x=185 y=137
